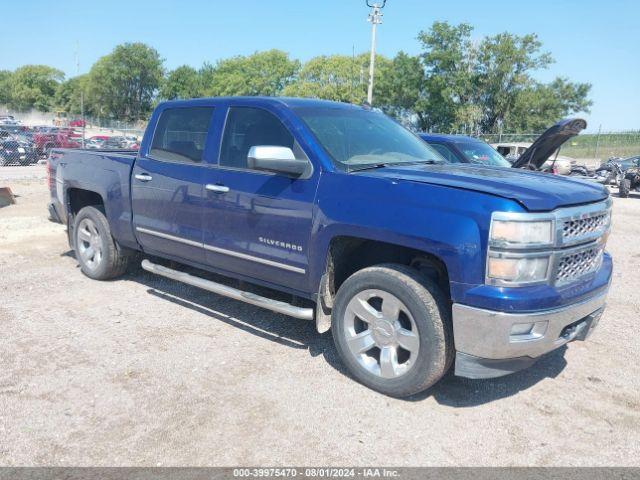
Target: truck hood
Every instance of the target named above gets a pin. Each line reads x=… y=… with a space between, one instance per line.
x=537 y=192
x=550 y=141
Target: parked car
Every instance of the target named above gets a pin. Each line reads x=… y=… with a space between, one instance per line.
x=44 y=142
x=26 y=142
x=116 y=143
x=416 y=264
x=462 y=149
x=95 y=143
x=543 y=153
x=11 y=152
x=9 y=120
x=78 y=123
x=14 y=129
x=514 y=151
x=70 y=132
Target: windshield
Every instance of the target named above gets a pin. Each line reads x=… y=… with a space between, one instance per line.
x=358 y=138
x=481 y=153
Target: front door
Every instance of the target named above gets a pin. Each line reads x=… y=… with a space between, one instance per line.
x=258 y=224
x=167 y=190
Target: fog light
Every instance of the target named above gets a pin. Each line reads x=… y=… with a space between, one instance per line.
x=521 y=328
x=526 y=332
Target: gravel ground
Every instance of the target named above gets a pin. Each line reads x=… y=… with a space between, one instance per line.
x=143 y=371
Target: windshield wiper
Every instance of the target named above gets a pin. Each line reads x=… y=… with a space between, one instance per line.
x=373 y=166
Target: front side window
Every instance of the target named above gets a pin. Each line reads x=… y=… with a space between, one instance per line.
x=357 y=138
x=181 y=134
x=248 y=127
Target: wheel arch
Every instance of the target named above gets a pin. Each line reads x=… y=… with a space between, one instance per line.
x=347 y=254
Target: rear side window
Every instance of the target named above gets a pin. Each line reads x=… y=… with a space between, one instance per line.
x=248 y=127
x=181 y=134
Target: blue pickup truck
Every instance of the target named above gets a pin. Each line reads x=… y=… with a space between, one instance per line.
x=414 y=263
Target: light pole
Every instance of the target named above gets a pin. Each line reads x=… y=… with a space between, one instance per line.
x=375 y=18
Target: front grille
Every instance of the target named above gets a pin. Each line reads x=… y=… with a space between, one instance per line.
x=572 y=266
x=590 y=226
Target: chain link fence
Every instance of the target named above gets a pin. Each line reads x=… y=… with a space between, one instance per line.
x=27 y=137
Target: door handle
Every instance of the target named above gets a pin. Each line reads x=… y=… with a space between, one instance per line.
x=143 y=177
x=216 y=188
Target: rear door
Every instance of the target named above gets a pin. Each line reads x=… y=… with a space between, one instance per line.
x=167 y=184
x=256 y=223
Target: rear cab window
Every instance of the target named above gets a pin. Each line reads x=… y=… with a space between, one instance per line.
x=181 y=134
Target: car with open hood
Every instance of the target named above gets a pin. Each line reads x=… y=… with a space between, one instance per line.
x=543 y=153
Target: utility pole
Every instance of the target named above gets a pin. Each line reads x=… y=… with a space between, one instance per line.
x=81 y=93
x=375 y=18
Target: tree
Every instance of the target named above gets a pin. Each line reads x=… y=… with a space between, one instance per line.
x=398 y=87
x=123 y=84
x=335 y=77
x=69 y=92
x=262 y=73
x=447 y=59
x=5 y=86
x=183 y=82
x=479 y=86
x=33 y=86
x=539 y=105
x=503 y=70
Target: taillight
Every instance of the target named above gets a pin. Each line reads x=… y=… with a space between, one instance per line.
x=49 y=176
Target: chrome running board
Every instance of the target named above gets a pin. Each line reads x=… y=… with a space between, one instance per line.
x=218 y=288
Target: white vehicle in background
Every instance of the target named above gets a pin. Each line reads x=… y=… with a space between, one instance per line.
x=513 y=151
x=9 y=120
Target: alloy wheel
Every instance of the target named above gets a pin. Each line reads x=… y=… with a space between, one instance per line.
x=89 y=245
x=381 y=333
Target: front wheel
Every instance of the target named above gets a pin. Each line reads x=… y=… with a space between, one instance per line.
x=96 y=250
x=392 y=329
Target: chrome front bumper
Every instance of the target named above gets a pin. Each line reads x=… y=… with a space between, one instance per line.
x=491 y=344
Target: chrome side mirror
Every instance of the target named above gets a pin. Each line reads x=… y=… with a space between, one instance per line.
x=276 y=159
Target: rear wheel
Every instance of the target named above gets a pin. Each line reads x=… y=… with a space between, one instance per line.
x=97 y=253
x=625 y=187
x=392 y=329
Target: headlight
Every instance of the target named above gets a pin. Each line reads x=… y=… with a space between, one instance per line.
x=517 y=270
x=523 y=234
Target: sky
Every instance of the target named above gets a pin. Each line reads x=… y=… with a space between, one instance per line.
x=592 y=41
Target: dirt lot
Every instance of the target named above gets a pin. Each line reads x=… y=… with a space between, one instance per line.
x=143 y=371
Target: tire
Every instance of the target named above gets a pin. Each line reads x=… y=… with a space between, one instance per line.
x=425 y=311
x=625 y=187
x=97 y=253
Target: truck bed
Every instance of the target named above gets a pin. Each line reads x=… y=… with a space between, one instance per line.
x=106 y=172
